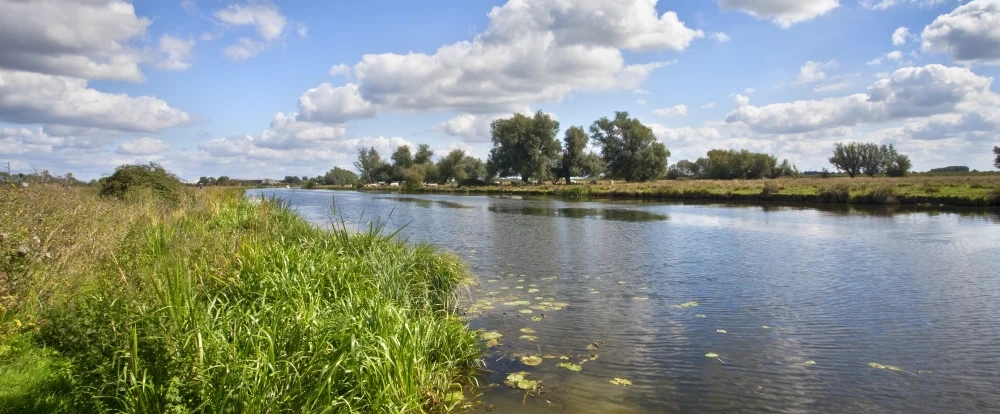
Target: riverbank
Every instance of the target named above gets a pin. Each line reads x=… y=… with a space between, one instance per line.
x=970 y=191
x=216 y=304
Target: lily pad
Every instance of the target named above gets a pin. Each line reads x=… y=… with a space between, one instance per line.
x=527 y=330
x=517 y=303
x=570 y=366
x=491 y=335
x=532 y=290
x=492 y=343
x=527 y=384
x=536 y=318
x=766 y=327
x=621 y=381
x=641 y=298
x=690 y=304
x=712 y=355
x=532 y=360
x=531 y=338
x=810 y=362
x=564 y=358
x=886 y=367
x=526 y=311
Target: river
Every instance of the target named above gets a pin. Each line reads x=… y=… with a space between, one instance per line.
x=714 y=307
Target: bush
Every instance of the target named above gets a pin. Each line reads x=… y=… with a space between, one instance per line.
x=993 y=198
x=128 y=179
x=882 y=194
x=770 y=188
x=838 y=193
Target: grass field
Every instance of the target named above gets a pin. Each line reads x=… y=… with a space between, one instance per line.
x=219 y=304
x=964 y=190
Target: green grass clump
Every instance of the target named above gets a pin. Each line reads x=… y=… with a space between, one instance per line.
x=229 y=305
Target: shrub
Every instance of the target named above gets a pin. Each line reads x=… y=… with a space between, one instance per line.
x=882 y=194
x=993 y=198
x=838 y=193
x=128 y=179
x=770 y=188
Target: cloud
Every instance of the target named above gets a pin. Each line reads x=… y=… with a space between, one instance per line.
x=302 y=29
x=678 y=110
x=812 y=72
x=909 y=93
x=532 y=51
x=832 y=87
x=784 y=13
x=640 y=101
x=326 y=103
x=709 y=105
x=47 y=139
x=36 y=98
x=895 y=55
x=900 y=36
x=887 y=4
x=719 y=37
x=143 y=146
x=84 y=39
x=970 y=34
x=340 y=69
x=267 y=20
x=286 y=133
x=178 y=53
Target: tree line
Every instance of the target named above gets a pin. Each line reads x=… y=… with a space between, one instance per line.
x=730 y=164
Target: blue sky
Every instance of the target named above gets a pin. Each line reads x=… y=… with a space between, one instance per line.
x=268 y=89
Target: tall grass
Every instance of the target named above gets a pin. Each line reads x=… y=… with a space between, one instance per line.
x=233 y=306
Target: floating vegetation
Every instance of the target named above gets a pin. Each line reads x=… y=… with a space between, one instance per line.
x=889 y=368
x=491 y=281
x=810 y=362
x=621 y=382
x=454 y=396
x=690 y=304
x=700 y=315
x=492 y=343
x=532 y=290
x=517 y=303
x=518 y=380
x=720 y=331
x=519 y=287
x=531 y=338
x=550 y=278
x=570 y=366
x=505 y=288
x=526 y=311
x=527 y=330
x=593 y=357
x=595 y=291
x=550 y=356
x=641 y=298
x=766 y=327
x=564 y=358
x=531 y=360
x=536 y=318
x=593 y=345
x=716 y=356
x=539 y=298
x=621 y=282
x=490 y=335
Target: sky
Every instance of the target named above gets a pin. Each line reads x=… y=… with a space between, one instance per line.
x=257 y=89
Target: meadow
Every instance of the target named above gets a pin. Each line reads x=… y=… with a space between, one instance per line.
x=212 y=302
x=951 y=190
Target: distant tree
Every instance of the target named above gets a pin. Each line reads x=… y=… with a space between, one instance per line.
x=573 y=157
x=951 y=169
x=785 y=169
x=291 y=179
x=340 y=176
x=687 y=168
x=414 y=177
x=629 y=148
x=446 y=165
x=524 y=146
x=203 y=181
x=402 y=158
x=423 y=155
x=996 y=162
x=470 y=170
x=223 y=181
x=592 y=165
x=896 y=164
x=873 y=159
x=370 y=165
x=847 y=158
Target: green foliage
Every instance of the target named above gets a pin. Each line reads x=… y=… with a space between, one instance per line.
x=573 y=156
x=870 y=159
x=629 y=148
x=592 y=165
x=340 y=176
x=414 y=177
x=224 y=181
x=291 y=179
x=996 y=162
x=308 y=184
x=402 y=157
x=446 y=167
x=129 y=179
x=951 y=169
x=423 y=155
x=524 y=146
x=237 y=306
x=370 y=165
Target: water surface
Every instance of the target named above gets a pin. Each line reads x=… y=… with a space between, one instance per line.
x=807 y=297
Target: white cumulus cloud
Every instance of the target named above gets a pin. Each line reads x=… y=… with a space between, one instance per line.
x=677 y=110
x=784 y=13
x=969 y=34
x=177 y=51
x=143 y=146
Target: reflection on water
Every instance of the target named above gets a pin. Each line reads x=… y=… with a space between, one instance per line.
x=602 y=213
x=422 y=202
x=794 y=302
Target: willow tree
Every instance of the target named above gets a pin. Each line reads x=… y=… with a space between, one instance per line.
x=573 y=157
x=524 y=146
x=629 y=148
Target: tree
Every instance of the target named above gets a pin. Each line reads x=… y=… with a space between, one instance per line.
x=446 y=166
x=896 y=164
x=340 y=176
x=370 y=165
x=524 y=146
x=402 y=157
x=573 y=157
x=873 y=159
x=847 y=158
x=414 y=177
x=423 y=155
x=629 y=148
x=223 y=181
x=592 y=165
x=996 y=162
x=470 y=170
x=291 y=179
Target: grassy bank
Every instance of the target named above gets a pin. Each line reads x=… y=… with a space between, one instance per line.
x=983 y=190
x=219 y=304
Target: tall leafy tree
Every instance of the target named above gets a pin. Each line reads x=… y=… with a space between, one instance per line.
x=446 y=166
x=340 y=176
x=524 y=146
x=847 y=158
x=402 y=158
x=574 y=143
x=423 y=155
x=370 y=165
x=996 y=162
x=629 y=148
x=592 y=165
